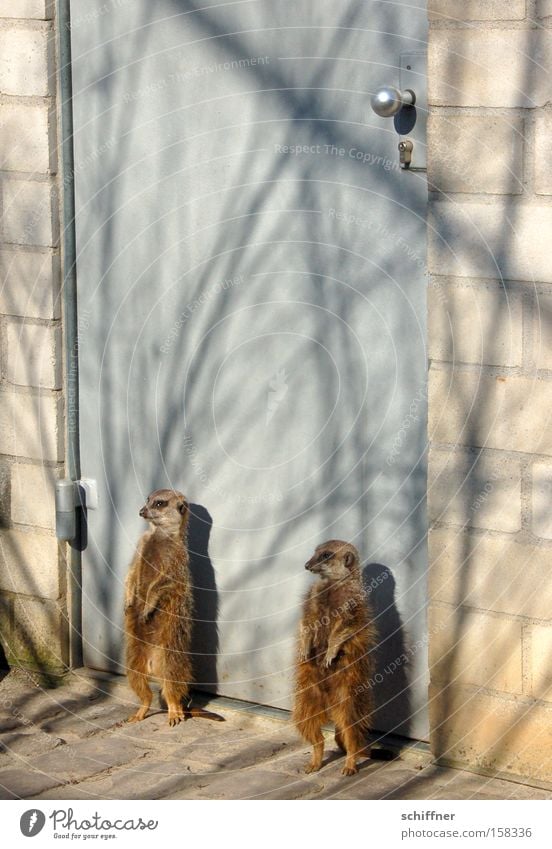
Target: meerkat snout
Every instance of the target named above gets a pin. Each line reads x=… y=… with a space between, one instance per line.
x=163 y=508
x=329 y=562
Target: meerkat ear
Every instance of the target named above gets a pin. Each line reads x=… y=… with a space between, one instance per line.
x=181 y=507
x=349 y=559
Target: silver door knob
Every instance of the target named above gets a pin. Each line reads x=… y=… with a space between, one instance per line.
x=388 y=100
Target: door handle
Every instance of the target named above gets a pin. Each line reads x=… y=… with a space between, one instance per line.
x=388 y=100
x=406 y=103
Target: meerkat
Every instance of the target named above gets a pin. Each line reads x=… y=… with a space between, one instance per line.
x=335 y=656
x=159 y=608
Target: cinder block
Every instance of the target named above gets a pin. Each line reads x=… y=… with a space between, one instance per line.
x=542 y=331
x=29 y=563
x=482 y=492
x=475 y=154
x=40 y=635
x=480 y=410
x=24 y=138
x=544 y=8
x=486 y=240
x=29 y=284
x=25 y=62
x=30 y=215
x=488 y=67
x=473 y=324
x=5 y=486
x=541 y=492
x=34 y=355
x=32 y=496
x=490 y=573
x=37 y=9
x=30 y=425
x=485 y=731
x=541 y=667
x=476 y=10
x=467 y=647
x=543 y=152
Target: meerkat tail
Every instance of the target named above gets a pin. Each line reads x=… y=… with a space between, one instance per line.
x=201 y=713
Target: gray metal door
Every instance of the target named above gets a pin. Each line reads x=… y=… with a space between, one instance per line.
x=252 y=320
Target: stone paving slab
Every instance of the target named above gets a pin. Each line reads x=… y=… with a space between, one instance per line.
x=255 y=783
x=74 y=743
x=28 y=744
x=86 y=722
x=436 y=782
x=82 y=760
x=146 y=779
x=21 y=783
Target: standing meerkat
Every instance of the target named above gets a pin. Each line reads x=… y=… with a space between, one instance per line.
x=159 y=608
x=336 y=655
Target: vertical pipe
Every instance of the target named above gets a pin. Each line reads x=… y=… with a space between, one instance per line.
x=69 y=306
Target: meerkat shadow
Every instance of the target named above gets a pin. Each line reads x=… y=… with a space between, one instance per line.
x=391 y=688
x=205 y=637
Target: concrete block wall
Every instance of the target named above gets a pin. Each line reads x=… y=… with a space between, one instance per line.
x=490 y=398
x=33 y=627
x=490 y=349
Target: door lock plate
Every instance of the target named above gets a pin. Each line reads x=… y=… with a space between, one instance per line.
x=411 y=122
x=405 y=153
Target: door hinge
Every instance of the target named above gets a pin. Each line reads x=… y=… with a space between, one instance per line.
x=71 y=495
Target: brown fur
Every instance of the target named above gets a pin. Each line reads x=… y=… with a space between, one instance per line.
x=159 y=608
x=336 y=656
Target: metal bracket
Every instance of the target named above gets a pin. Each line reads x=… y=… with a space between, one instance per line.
x=70 y=495
x=411 y=121
x=88 y=493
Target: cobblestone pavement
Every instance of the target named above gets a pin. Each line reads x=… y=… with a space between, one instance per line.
x=73 y=743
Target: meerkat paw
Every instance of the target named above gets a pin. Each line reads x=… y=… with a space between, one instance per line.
x=312 y=767
x=146 y=616
x=349 y=770
x=176 y=715
x=137 y=717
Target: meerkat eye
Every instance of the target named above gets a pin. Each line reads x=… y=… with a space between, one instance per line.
x=326 y=555
x=159 y=504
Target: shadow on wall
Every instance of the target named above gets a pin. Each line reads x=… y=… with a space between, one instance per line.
x=392 y=706
x=33 y=628
x=205 y=638
x=4 y=666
